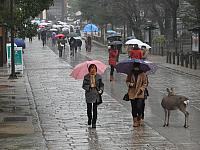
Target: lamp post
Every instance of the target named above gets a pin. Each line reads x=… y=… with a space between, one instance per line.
x=149 y=28
x=13 y=74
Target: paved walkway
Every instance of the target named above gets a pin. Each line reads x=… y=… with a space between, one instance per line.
x=54 y=107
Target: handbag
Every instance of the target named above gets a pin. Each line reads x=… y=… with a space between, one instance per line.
x=146 y=93
x=100 y=99
x=126 y=97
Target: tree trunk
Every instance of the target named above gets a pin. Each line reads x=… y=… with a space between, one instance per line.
x=168 y=26
x=129 y=29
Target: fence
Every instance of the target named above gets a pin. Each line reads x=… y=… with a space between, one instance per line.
x=191 y=60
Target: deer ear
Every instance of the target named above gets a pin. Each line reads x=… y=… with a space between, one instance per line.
x=168 y=90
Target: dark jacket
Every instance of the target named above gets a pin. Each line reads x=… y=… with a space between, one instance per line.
x=91 y=94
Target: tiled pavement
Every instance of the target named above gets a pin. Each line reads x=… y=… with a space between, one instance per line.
x=52 y=100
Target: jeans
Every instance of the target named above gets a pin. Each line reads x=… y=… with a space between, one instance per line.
x=137 y=107
x=90 y=107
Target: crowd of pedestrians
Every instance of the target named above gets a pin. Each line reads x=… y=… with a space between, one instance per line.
x=137 y=80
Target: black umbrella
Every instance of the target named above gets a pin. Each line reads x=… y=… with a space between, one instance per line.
x=113 y=36
x=115 y=43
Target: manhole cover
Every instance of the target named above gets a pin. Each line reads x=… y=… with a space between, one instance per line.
x=9 y=119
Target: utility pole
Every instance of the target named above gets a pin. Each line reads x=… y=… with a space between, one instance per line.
x=13 y=74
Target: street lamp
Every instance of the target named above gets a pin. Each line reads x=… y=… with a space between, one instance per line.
x=149 y=28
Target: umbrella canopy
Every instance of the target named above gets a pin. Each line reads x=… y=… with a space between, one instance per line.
x=130 y=37
x=44 y=24
x=134 y=41
x=144 y=44
x=115 y=43
x=126 y=66
x=40 y=26
x=81 y=69
x=90 y=28
x=113 y=36
x=153 y=67
x=20 y=43
x=65 y=29
x=60 y=36
x=53 y=29
x=111 y=32
x=78 y=38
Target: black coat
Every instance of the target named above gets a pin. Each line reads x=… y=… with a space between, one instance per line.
x=91 y=94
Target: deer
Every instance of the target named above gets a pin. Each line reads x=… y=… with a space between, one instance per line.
x=174 y=102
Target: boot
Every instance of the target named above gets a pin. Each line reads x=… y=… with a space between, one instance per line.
x=94 y=123
x=139 y=121
x=111 y=78
x=135 y=122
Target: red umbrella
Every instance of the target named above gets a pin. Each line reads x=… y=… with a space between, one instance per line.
x=41 y=26
x=81 y=69
x=60 y=36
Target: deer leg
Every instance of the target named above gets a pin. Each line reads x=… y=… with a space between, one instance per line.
x=183 y=110
x=165 y=118
x=168 y=118
x=186 y=119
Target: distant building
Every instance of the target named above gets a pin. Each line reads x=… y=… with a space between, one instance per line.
x=58 y=10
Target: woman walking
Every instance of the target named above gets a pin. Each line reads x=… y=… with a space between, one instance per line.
x=113 y=54
x=136 y=82
x=135 y=52
x=93 y=86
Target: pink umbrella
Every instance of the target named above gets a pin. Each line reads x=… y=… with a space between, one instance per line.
x=60 y=35
x=81 y=69
x=40 y=26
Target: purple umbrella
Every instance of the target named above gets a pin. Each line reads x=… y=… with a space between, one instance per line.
x=153 y=67
x=126 y=66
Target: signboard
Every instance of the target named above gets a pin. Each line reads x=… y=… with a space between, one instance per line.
x=8 y=52
x=195 y=41
x=18 y=59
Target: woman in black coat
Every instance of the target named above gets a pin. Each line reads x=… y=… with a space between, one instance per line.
x=93 y=86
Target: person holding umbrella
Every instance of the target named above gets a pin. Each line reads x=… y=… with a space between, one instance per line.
x=44 y=37
x=136 y=82
x=61 y=43
x=93 y=86
x=113 y=54
x=136 y=52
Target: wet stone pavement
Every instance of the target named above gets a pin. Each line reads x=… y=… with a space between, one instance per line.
x=19 y=129
x=184 y=80
x=62 y=110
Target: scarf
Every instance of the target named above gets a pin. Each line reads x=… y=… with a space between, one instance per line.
x=93 y=80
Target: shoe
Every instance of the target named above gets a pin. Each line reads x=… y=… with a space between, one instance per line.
x=93 y=125
x=139 y=121
x=89 y=122
x=135 y=122
x=142 y=122
x=111 y=78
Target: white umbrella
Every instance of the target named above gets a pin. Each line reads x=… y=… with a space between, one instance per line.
x=44 y=24
x=65 y=29
x=53 y=29
x=144 y=44
x=78 y=37
x=134 y=41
